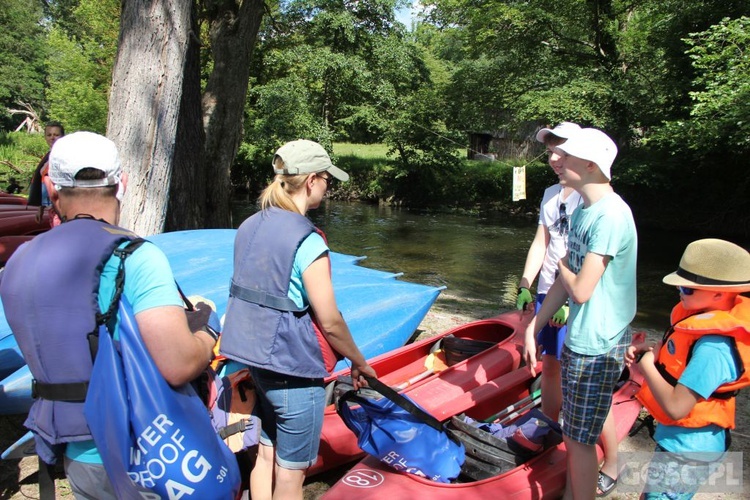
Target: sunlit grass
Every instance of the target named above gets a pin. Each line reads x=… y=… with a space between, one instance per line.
x=369 y=151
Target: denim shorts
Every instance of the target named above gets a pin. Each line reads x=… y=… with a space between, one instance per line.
x=550 y=338
x=588 y=383
x=291 y=412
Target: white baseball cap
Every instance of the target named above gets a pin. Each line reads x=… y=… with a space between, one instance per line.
x=593 y=145
x=564 y=130
x=72 y=153
x=306 y=157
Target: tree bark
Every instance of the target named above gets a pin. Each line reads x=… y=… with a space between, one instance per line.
x=146 y=93
x=188 y=190
x=234 y=26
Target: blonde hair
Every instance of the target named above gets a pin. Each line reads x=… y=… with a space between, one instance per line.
x=279 y=193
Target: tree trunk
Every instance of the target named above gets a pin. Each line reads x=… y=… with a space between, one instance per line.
x=234 y=26
x=146 y=93
x=187 y=192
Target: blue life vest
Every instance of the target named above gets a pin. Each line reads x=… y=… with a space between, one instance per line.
x=49 y=290
x=263 y=326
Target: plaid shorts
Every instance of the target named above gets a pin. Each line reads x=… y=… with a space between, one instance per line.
x=588 y=382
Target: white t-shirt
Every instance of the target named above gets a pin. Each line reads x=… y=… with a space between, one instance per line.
x=550 y=215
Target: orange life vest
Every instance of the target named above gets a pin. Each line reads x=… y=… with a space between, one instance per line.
x=675 y=354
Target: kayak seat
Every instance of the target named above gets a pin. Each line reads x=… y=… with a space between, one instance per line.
x=458 y=349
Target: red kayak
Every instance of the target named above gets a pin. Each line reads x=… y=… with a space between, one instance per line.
x=12 y=199
x=18 y=220
x=542 y=476
x=440 y=389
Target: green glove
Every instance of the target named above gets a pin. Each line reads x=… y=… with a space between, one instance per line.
x=561 y=316
x=524 y=298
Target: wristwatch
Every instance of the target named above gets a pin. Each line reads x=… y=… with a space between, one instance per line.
x=209 y=330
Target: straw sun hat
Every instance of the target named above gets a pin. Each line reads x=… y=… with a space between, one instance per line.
x=713 y=264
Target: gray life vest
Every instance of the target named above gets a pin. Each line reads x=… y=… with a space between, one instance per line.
x=263 y=327
x=50 y=291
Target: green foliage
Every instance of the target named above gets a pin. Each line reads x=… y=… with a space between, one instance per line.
x=21 y=58
x=721 y=101
x=19 y=155
x=80 y=64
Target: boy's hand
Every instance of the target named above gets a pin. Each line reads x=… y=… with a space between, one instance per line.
x=530 y=353
x=524 y=299
x=560 y=317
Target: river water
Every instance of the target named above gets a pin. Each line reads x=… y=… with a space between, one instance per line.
x=478 y=258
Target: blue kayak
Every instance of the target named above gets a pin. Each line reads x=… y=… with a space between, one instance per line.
x=382 y=312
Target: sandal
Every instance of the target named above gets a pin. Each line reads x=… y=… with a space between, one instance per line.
x=605 y=485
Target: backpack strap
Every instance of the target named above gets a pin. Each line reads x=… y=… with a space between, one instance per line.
x=107 y=318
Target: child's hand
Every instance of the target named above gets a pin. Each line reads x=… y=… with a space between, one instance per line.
x=530 y=348
x=630 y=355
x=635 y=351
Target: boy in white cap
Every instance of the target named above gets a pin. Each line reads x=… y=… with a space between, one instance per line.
x=598 y=278
x=693 y=374
x=550 y=245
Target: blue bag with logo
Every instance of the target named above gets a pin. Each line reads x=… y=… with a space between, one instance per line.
x=155 y=440
x=401 y=434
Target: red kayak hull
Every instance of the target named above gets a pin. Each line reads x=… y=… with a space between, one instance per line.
x=12 y=199
x=541 y=477
x=453 y=390
x=18 y=220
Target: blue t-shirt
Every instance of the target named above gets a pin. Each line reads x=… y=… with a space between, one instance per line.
x=309 y=250
x=149 y=283
x=605 y=228
x=713 y=364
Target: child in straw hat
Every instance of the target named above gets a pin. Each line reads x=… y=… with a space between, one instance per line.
x=693 y=374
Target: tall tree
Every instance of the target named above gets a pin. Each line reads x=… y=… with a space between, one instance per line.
x=179 y=143
x=234 y=26
x=145 y=102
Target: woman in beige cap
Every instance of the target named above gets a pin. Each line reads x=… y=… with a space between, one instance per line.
x=282 y=320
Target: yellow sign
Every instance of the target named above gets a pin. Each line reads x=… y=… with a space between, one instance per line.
x=519 y=183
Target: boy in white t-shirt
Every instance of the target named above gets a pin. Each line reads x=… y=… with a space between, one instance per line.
x=549 y=246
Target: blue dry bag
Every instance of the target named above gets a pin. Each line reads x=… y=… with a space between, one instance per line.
x=401 y=434
x=154 y=439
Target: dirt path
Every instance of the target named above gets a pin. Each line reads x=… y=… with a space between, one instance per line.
x=18 y=478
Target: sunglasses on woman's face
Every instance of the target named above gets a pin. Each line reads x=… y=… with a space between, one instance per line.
x=685 y=290
x=326 y=177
